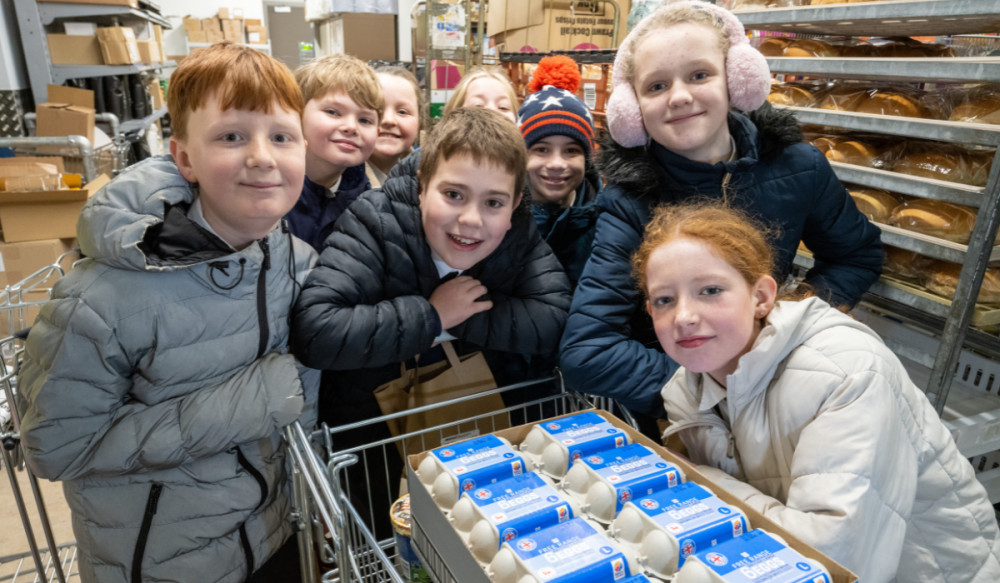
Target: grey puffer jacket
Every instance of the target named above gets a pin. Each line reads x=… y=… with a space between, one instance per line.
x=154 y=385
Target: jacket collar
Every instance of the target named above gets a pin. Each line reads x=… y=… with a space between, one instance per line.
x=760 y=136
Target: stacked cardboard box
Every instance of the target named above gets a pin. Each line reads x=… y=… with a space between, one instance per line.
x=256 y=32
x=68 y=112
x=524 y=25
x=118 y=45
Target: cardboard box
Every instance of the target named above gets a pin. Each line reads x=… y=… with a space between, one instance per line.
x=256 y=34
x=80 y=28
x=253 y=22
x=540 y=25
x=20 y=260
x=68 y=49
x=68 y=112
x=197 y=36
x=234 y=13
x=214 y=36
x=211 y=24
x=365 y=36
x=191 y=24
x=42 y=214
x=232 y=30
x=118 y=45
x=149 y=51
x=433 y=535
x=131 y=3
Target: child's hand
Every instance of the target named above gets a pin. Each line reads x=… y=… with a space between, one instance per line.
x=455 y=300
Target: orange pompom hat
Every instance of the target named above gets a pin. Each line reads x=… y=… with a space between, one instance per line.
x=554 y=109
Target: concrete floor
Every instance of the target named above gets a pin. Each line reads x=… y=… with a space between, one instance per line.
x=14 y=541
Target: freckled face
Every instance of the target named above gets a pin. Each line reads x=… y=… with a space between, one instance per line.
x=680 y=82
x=704 y=312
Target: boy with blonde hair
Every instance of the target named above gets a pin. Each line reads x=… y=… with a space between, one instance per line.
x=156 y=381
x=341 y=119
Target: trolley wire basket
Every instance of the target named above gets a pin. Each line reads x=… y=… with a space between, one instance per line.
x=340 y=515
x=78 y=155
x=18 y=304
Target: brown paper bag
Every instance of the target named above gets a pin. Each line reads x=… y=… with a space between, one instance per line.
x=457 y=377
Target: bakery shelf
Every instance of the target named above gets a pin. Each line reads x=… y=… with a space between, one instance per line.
x=899 y=18
x=927 y=245
x=953 y=192
x=911 y=127
x=971 y=69
x=48 y=12
x=913 y=295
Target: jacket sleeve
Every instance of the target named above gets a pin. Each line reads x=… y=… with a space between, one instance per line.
x=528 y=316
x=343 y=319
x=846 y=246
x=81 y=419
x=598 y=354
x=849 y=495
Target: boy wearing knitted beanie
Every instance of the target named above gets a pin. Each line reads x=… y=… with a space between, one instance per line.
x=562 y=183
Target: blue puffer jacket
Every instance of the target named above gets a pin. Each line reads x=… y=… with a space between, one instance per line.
x=609 y=347
x=569 y=231
x=313 y=216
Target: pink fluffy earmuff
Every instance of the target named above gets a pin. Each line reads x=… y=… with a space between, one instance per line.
x=747 y=74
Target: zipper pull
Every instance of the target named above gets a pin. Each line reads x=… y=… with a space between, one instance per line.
x=731 y=448
x=266 y=248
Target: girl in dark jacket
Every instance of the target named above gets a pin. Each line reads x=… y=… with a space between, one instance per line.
x=677 y=76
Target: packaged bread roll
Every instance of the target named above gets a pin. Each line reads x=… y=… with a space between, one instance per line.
x=790 y=94
x=842 y=98
x=809 y=47
x=875 y=204
x=946 y=165
x=853 y=152
x=825 y=143
x=936 y=218
x=905 y=263
x=942 y=279
x=773 y=46
x=982 y=108
x=980 y=163
x=889 y=102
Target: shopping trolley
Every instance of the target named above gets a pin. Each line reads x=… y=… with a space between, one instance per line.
x=342 y=531
x=78 y=154
x=18 y=304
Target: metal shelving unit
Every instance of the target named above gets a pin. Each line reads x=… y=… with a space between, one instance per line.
x=33 y=18
x=948 y=323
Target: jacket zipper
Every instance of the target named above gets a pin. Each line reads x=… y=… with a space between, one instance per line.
x=247 y=550
x=147 y=522
x=261 y=482
x=678 y=427
x=265 y=332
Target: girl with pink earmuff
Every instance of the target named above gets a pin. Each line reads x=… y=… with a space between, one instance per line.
x=682 y=78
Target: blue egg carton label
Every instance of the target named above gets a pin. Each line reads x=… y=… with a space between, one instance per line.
x=694 y=516
x=480 y=461
x=571 y=552
x=520 y=505
x=757 y=557
x=633 y=470
x=585 y=433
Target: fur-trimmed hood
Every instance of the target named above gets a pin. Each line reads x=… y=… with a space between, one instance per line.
x=761 y=135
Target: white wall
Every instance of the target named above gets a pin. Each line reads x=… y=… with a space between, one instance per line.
x=13 y=75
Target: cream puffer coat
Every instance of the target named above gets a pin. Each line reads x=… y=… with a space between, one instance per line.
x=830 y=439
x=155 y=384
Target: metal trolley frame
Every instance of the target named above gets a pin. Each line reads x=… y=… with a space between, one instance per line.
x=39 y=563
x=342 y=533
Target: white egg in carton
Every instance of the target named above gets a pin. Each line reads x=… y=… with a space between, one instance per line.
x=553 y=445
x=450 y=470
x=756 y=556
x=489 y=515
x=665 y=527
x=602 y=482
x=574 y=551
